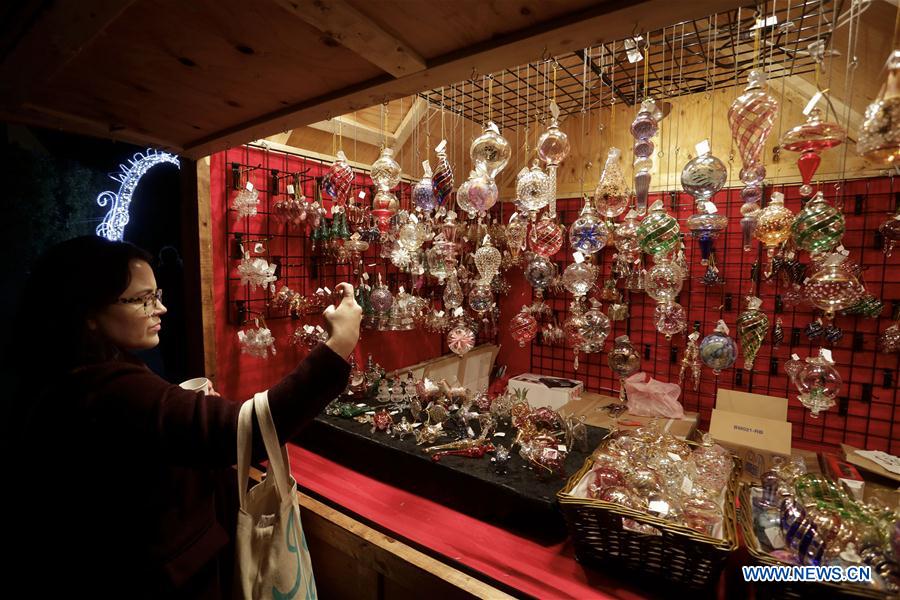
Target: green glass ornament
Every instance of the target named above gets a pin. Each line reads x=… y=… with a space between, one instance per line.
x=819 y=227
x=752 y=326
x=658 y=233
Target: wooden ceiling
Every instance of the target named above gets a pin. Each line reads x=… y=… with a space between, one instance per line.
x=197 y=77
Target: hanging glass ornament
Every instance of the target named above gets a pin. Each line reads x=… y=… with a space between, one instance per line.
x=833 y=287
x=809 y=139
x=819 y=227
x=461 y=339
x=385 y=172
x=491 y=150
x=381 y=298
x=482 y=193
x=487 y=261
x=453 y=294
x=553 y=148
x=516 y=232
x=663 y=281
x=617 y=311
x=626 y=236
x=481 y=299
x=462 y=196
x=539 y=272
x=691 y=361
x=384 y=206
x=412 y=234
x=752 y=327
x=792 y=367
x=751 y=117
x=889 y=340
x=624 y=360
x=533 y=188
x=643 y=128
x=718 y=350
x=702 y=177
x=547 y=236
x=818 y=383
x=442 y=179
x=246 y=201
x=579 y=278
x=423 y=192
x=777 y=333
x=588 y=234
x=572 y=329
x=523 y=327
x=867 y=306
x=336 y=182
x=658 y=232
x=890 y=231
x=594 y=329
x=879 y=134
x=670 y=318
x=611 y=194
x=773 y=226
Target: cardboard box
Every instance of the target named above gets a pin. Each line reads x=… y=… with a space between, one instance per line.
x=754 y=427
x=555 y=395
x=592 y=407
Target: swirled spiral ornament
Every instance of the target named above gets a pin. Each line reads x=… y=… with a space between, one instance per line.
x=752 y=326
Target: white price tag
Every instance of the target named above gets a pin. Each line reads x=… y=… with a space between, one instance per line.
x=361 y=404
x=365 y=276
x=686 y=485
x=259 y=248
x=775 y=537
x=578 y=256
x=812 y=103
x=826 y=354
x=659 y=507
x=711 y=208
x=370 y=412
x=458 y=312
x=362 y=196
x=426 y=166
x=795 y=357
x=440 y=314
x=414 y=219
x=394 y=412
x=500 y=434
x=470 y=432
x=327 y=292
x=249 y=186
x=674 y=456
x=414 y=425
x=768 y=22
x=401 y=289
x=702 y=148
x=562 y=448
x=290 y=188
x=441 y=146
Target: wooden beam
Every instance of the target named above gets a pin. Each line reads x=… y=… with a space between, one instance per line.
x=599 y=23
x=355 y=31
x=56 y=37
x=355 y=131
x=206 y=265
x=412 y=118
x=266 y=144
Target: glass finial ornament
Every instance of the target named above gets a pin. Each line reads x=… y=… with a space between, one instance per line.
x=819 y=226
x=818 y=383
x=879 y=134
x=833 y=287
x=773 y=225
x=890 y=231
x=539 y=273
x=663 y=281
x=588 y=234
x=487 y=261
x=718 y=350
x=547 y=236
x=385 y=171
x=516 y=233
x=533 y=188
x=611 y=194
x=553 y=148
x=751 y=117
x=658 y=232
x=752 y=328
x=643 y=128
x=809 y=139
x=594 y=329
x=453 y=294
x=523 y=327
x=624 y=361
x=579 y=278
x=442 y=179
x=670 y=318
x=491 y=150
x=481 y=298
x=482 y=193
x=702 y=177
x=336 y=182
x=423 y=192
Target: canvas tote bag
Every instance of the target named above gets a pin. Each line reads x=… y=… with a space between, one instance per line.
x=272 y=557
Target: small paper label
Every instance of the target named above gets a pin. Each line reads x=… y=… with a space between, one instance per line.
x=290 y=188
x=394 y=412
x=659 y=507
x=795 y=357
x=562 y=448
x=826 y=354
x=578 y=256
x=414 y=425
x=327 y=292
x=471 y=433
x=686 y=485
x=426 y=166
x=259 y=248
x=843 y=251
x=702 y=148
x=361 y=404
x=401 y=289
x=362 y=196
x=515 y=216
x=767 y=22
x=440 y=313
x=365 y=276
x=441 y=146
x=711 y=208
x=370 y=412
x=674 y=456
x=500 y=434
x=414 y=219
x=775 y=537
x=249 y=186
x=812 y=103
x=458 y=312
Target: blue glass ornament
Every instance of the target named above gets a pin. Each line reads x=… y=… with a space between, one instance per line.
x=718 y=350
x=588 y=234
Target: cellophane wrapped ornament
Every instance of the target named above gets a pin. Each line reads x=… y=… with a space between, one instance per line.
x=752 y=327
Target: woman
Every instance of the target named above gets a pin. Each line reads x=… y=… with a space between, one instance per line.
x=117 y=492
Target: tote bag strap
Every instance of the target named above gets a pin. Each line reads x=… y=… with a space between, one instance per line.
x=278 y=459
x=244 y=448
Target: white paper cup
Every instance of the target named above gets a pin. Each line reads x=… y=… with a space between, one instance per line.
x=197 y=384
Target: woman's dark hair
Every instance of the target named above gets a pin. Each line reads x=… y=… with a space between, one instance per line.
x=68 y=284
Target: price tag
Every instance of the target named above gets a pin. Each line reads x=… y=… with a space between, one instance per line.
x=290 y=188
x=702 y=148
x=515 y=216
x=362 y=196
x=361 y=404
x=578 y=256
x=440 y=147
x=370 y=412
x=327 y=292
x=826 y=354
x=259 y=248
x=767 y=22
x=674 y=456
x=470 y=432
x=249 y=186
x=795 y=357
x=414 y=425
x=426 y=166
x=562 y=448
x=394 y=412
x=812 y=103
x=414 y=219
x=401 y=289
x=365 y=276
x=686 y=485
x=659 y=507
x=458 y=312
x=711 y=208
x=775 y=537
x=440 y=314
x=500 y=434
x=842 y=250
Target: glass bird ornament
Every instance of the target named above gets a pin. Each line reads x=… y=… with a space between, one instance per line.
x=833 y=287
x=487 y=261
x=818 y=383
x=658 y=232
x=624 y=361
x=588 y=234
x=385 y=171
x=810 y=139
x=752 y=329
x=336 y=182
x=819 y=226
x=523 y=327
x=751 y=117
x=890 y=231
x=644 y=127
x=533 y=188
x=879 y=134
x=423 y=192
x=611 y=195
x=547 y=236
x=491 y=150
x=442 y=179
x=718 y=350
x=773 y=226
x=579 y=278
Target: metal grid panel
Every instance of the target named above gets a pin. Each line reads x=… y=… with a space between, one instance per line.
x=686 y=58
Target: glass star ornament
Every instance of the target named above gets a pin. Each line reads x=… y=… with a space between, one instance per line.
x=533 y=188
x=491 y=150
x=588 y=234
x=658 y=232
x=819 y=227
x=718 y=350
x=809 y=139
x=879 y=134
x=611 y=195
x=752 y=329
x=246 y=201
x=442 y=179
x=336 y=182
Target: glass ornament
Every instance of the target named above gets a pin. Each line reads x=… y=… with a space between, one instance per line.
x=482 y=193
x=412 y=235
x=594 y=329
x=624 y=360
x=809 y=139
x=533 y=188
x=453 y=294
x=553 y=145
x=491 y=150
x=658 y=232
x=487 y=261
x=336 y=182
x=890 y=231
x=547 y=236
x=879 y=134
x=773 y=226
x=670 y=318
x=718 y=350
x=523 y=327
x=833 y=287
x=460 y=339
x=819 y=226
x=385 y=171
x=539 y=272
x=462 y=196
x=481 y=298
x=818 y=383
x=423 y=191
x=703 y=176
x=516 y=232
x=579 y=278
x=752 y=328
x=588 y=234
x=644 y=127
x=867 y=306
x=442 y=179
x=246 y=202
x=381 y=298
x=611 y=194
x=889 y=340
x=384 y=206
x=626 y=235
x=691 y=361
x=663 y=281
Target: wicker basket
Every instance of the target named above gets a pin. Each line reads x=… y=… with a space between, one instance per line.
x=794 y=590
x=675 y=554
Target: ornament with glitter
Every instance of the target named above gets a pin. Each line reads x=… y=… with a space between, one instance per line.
x=423 y=192
x=533 y=188
x=611 y=195
x=752 y=327
x=773 y=226
x=889 y=339
x=691 y=361
x=487 y=261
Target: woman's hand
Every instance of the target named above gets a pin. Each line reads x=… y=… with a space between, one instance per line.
x=342 y=323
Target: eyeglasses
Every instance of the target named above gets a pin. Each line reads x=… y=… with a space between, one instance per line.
x=150 y=301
